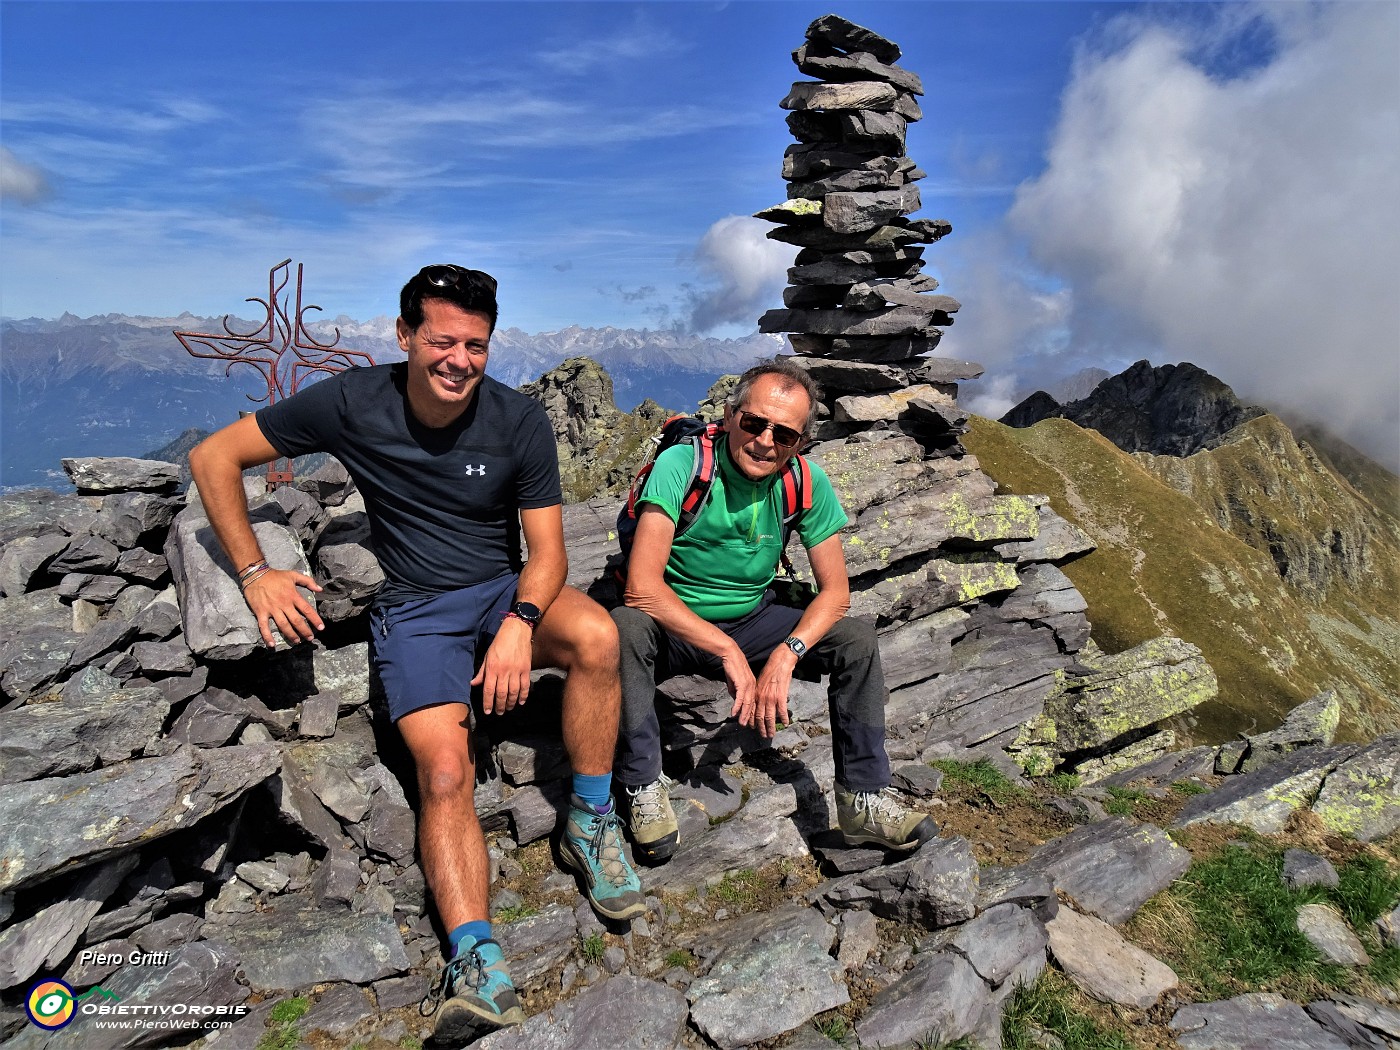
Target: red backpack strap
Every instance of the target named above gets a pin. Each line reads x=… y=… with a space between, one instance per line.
x=797 y=488
x=702 y=476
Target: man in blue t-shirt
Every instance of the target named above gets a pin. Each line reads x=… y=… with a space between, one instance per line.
x=700 y=603
x=455 y=468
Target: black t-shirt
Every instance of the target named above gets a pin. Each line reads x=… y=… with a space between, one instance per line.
x=442 y=502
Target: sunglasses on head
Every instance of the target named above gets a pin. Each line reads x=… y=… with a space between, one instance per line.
x=449 y=275
x=756 y=425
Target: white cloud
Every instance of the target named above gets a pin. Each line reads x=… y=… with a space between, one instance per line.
x=1248 y=224
x=747 y=271
x=19 y=181
x=641 y=42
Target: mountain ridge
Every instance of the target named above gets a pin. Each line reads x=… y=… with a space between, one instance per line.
x=120 y=385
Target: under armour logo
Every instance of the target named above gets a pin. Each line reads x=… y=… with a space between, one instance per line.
x=476 y=470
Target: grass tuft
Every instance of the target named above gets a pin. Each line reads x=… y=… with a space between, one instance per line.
x=1122 y=801
x=593 y=948
x=1235 y=926
x=1048 y=1006
x=680 y=957
x=1367 y=889
x=282 y=1033
x=981 y=776
x=514 y=913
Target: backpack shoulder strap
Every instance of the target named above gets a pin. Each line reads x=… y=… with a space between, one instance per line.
x=796 y=482
x=702 y=476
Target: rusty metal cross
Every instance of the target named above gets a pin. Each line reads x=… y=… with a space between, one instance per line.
x=281 y=349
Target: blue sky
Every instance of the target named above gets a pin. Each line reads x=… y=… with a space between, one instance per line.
x=1215 y=183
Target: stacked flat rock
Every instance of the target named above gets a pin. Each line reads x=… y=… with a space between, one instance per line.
x=860 y=312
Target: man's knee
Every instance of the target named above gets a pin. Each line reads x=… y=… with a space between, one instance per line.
x=592 y=640
x=852 y=641
x=445 y=778
x=636 y=631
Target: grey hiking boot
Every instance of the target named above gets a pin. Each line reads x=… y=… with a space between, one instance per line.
x=476 y=994
x=650 y=820
x=592 y=845
x=880 y=819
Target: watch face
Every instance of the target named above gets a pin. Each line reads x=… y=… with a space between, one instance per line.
x=527 y=611
x=796 y=645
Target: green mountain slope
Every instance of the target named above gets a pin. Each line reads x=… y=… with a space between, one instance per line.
x=1164 y=566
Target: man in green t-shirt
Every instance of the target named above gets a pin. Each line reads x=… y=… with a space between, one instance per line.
x=700 y=603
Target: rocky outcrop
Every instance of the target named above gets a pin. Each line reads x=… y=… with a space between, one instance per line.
x=1167 y=410
x=599 y=446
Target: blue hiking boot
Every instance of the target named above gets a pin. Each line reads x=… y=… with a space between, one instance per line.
x=592 y=845
x=475 y=992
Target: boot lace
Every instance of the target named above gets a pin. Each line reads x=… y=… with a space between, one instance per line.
x=469 y=968
x=648 y=801
x=882 y=806
x=605 y=847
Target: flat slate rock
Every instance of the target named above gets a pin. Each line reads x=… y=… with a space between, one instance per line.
x=935 y=887
x=1384 y=1019
x=1361 y=796
x=200 y=973
x=1327 y=931
x=733 y=1003
x=292 y=950
x=942 y=995
x=339 y=1009
x=1301 y=868
x=96 y=474
x=999 y=940
x=1110 y=868
x=622 y=1011
x=1265 y=799
x=46 y=740
x=1104 y=965
x=1257 y=1021
x=762 y=832
x=54 y=825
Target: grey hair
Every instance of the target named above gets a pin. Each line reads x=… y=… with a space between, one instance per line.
x=789 y=375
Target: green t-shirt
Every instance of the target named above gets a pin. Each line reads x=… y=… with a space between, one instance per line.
x=723 y=563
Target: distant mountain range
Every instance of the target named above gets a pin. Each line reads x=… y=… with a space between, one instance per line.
x=119 y=385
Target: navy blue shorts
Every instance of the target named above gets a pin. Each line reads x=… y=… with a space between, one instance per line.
x=425 y=648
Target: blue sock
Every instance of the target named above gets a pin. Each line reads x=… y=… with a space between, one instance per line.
x=596 y=791
x=477 y=929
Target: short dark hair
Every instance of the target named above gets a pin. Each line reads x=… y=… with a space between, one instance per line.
x=790 y=375
x=468 y=289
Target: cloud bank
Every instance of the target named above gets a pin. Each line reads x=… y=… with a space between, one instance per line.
x=19 y=181
x=746 y=273
x=1248 y=222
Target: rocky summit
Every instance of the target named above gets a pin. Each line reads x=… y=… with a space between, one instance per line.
x=188 y=818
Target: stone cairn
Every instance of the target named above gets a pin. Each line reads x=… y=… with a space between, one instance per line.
x=861 y=313
x=188 y=818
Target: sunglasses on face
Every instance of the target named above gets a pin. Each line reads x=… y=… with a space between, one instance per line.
x=783 y=436
x=449 y=275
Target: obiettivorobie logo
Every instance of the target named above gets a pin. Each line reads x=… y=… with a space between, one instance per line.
x=52 y=1005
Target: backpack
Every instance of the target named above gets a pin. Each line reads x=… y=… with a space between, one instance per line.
x=795 y=479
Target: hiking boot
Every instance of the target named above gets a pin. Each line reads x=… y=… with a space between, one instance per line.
x=879 y=818
x=592 y=845
x=475 y=992
x=650 y=820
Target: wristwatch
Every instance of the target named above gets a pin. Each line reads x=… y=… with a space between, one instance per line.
x=527 y=611
x=796 y=645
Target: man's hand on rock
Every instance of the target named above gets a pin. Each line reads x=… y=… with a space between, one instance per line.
x=274 y=595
